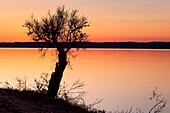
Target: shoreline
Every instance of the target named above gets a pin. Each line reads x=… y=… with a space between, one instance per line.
x=100 y=45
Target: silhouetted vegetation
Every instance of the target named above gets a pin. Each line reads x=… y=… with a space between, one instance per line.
x=70 y=97
x=61 y=27
x=159 y=104
x=63 y=31
x=71 y=93
x=40 y=102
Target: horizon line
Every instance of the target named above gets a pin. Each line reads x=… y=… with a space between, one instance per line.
x=128 y=45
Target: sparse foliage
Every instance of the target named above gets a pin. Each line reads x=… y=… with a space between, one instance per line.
x=60 y=30
x=74 y=94
x=160 y=102
x=21 y=83
x=6 y=85
x=41 y=85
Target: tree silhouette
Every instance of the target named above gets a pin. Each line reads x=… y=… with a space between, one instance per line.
x=60 y=30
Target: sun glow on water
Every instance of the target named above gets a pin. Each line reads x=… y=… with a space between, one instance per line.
x=121 y=78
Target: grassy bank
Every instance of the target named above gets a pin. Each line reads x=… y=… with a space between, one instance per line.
x=15 y=101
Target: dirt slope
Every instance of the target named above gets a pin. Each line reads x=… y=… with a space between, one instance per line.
x=12 y=101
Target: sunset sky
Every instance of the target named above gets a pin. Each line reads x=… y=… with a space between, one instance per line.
x=110 y=20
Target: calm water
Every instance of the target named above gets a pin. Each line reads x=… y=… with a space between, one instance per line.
x=122 y=78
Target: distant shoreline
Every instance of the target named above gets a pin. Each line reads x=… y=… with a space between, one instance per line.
x=104 y=45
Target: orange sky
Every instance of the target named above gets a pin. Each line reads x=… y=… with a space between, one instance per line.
x=110 y=20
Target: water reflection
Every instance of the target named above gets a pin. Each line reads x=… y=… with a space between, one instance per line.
x=120 y=77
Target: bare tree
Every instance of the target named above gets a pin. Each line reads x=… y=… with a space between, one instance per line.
x=60 y=30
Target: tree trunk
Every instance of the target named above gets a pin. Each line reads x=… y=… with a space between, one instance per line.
x=56 y=76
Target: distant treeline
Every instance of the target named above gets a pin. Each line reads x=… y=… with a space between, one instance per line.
x=129 y=45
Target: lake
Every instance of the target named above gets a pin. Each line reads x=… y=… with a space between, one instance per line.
x=121 y=77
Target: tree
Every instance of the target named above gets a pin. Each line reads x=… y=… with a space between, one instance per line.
x=60 y=30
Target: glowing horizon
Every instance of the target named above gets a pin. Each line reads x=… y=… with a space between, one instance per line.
x=110 y=20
